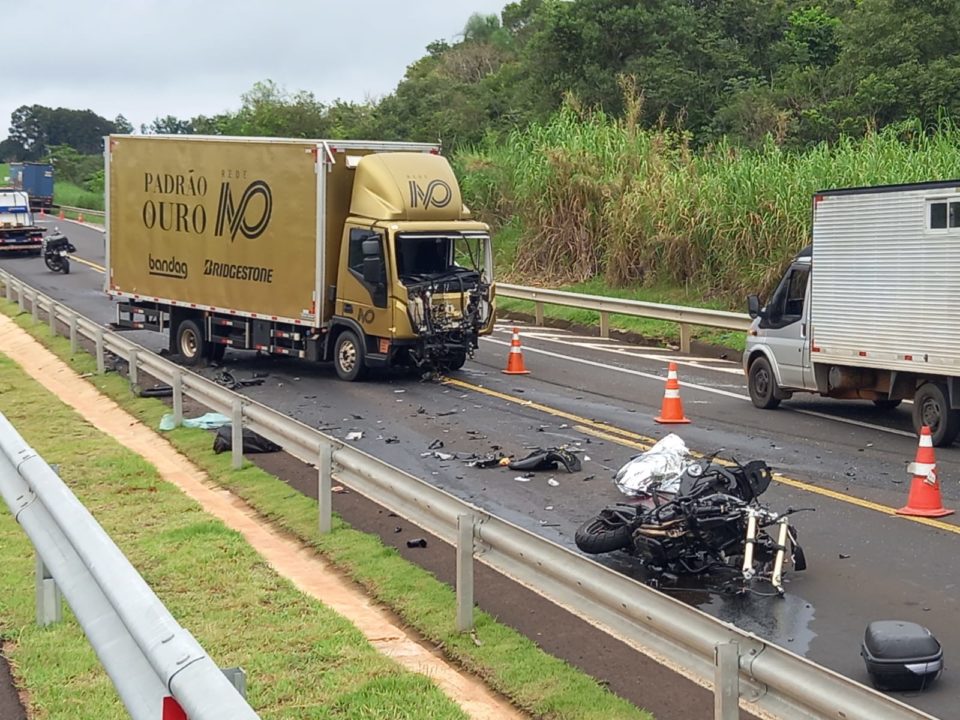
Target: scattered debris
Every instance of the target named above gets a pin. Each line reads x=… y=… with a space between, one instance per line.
x=391 y=440
x=156 y=391
x=339 y=489
x=354 y=435
x=843 y=556
x=209 y=421
x=444 y=456
x=548 y=459
x=252 y=442
x=435 y=445
x=553 y=483
x=447 y=412
x=227 y=379
x=399 y=391
x=487 y=461
x=524 y=478
x=417 y=542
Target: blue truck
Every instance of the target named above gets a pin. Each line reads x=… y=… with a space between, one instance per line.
x=35 y=179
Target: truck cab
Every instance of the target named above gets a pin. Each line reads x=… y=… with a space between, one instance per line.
x=18 y=231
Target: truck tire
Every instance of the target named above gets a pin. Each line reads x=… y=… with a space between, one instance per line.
x=191 y=345
x=762 y=384
x=931 y=407
x=457 y=361
x=349 y=356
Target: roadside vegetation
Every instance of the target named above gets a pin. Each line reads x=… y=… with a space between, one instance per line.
x=510 y=663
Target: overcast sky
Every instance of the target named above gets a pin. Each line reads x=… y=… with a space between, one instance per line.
x=150 y=58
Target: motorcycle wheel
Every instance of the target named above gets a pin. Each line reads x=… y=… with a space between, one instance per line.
x=597 y=536
x=52 y=264
x=65 y=266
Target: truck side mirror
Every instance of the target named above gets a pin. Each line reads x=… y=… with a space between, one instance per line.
x=372 y=269
x=371 y=248
x=753 y=306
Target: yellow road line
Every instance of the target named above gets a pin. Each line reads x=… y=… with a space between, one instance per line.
x=88 y=263
x=634 y=440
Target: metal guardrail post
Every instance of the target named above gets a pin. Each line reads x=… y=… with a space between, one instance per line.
x=238 y=678
x=236 y=434
x=538 y=314
x=324 y=489
x=52 y=319
x=101 y=360
x=726 y=685
x=132 y=370
x=74 y=339
x=604 y=324
x=686 y=336
x=49 y=599
x=8 y=287
x=21 y=298
x=465 y=535
x=177 y=386
x=34 y=307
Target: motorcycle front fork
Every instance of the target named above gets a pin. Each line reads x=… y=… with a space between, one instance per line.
x=749 y=572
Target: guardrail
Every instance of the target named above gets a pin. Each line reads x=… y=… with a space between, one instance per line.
x=686 y=317
x=149 y=657
x=738 y=664
x=82 y=211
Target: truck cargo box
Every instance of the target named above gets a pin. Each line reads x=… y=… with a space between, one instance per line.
x=887 y=278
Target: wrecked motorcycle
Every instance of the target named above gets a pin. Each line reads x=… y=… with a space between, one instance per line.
x=56 y=251
x=704 y=520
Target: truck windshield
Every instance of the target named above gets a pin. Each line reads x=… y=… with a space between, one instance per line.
x=423 y=257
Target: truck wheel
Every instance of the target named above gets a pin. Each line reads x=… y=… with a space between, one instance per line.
x=931 y=407
x=190 y=343
x=763 y=385
x=348 y=356
x=457 y=361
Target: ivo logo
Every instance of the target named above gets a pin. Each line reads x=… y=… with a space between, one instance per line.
x=250 y=221
x=436 y=193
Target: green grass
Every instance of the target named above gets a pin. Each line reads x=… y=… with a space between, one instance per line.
x=4 y=172
x=67 y=193
x=302 y=659
x=540 y=684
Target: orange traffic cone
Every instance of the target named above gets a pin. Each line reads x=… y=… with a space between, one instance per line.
x=43 y=212
x=671 y=411
x=80 y=217
x=924 y=499
x=60 y=216
x=515 y=364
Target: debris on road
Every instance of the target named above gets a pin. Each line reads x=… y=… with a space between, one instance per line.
x=228 y=380
x=553 y=483
x=252 y=442
x=417 y=543
x=524 y=478
x=548 y=459
x=354 y=435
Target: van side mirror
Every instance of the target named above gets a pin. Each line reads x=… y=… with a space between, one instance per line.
x=753 y=306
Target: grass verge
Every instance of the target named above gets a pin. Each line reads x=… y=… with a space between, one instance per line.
x=68 y=193
x=304 y=660
x=539 y=683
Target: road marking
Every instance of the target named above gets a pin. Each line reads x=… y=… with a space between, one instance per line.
x=88 y=263
x=637 y=441
x=704 y=388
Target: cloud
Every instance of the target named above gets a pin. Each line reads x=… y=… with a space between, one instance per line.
x=147 y=58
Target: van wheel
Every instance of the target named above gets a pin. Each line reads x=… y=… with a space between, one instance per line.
x=190 y=343
x=931 y=407
x=763 y=385
x=349 y=356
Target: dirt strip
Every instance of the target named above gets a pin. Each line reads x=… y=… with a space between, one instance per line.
x=289 y=558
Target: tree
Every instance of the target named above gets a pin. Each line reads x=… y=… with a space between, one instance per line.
x=122 y=125
x=168 y=125
x=36 y=127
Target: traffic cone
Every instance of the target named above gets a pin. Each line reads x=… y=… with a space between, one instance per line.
x=80 y=217
x=43 y=212
x=671 y=411
x=924 y=499
x=515 y=364
x=60 y=216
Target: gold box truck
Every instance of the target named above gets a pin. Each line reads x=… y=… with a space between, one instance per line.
x=358 y=252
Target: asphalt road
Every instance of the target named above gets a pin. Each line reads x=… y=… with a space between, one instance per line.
x=843 y=458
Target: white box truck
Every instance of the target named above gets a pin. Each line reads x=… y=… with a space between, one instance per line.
x=871 y=309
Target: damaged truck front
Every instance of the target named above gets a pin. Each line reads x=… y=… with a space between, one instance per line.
x=362 y=253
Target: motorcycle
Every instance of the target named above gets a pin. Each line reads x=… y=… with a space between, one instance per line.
x=56 y=251
x=698 y=518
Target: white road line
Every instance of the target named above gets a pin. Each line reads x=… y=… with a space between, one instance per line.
x=703 y=388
